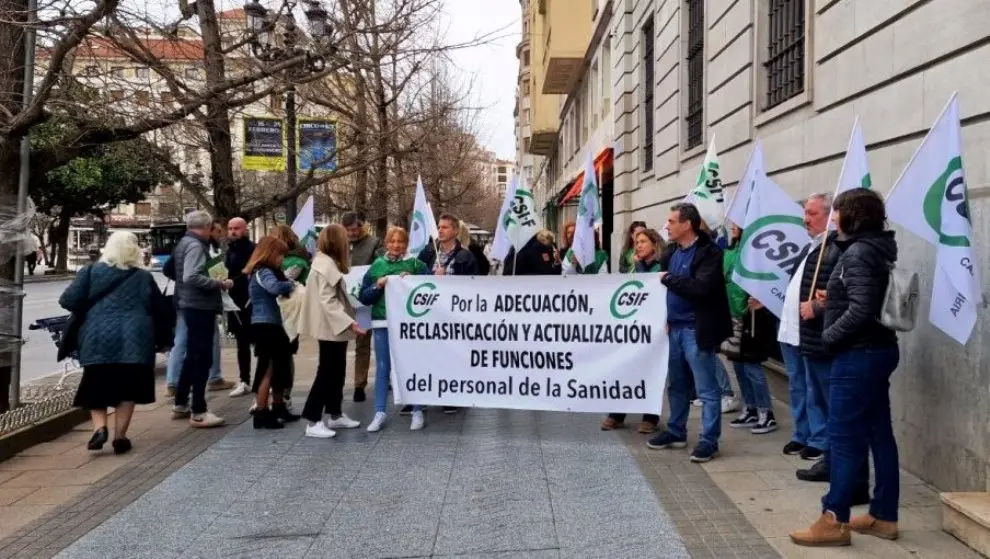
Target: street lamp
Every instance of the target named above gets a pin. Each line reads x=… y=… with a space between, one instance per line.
x=261 y=25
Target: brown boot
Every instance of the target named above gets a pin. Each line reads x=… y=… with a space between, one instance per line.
x=869 y=525
x=609 y=424
x=827 y=531
x=647 y=428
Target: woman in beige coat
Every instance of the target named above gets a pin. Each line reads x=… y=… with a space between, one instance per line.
x=328 y=317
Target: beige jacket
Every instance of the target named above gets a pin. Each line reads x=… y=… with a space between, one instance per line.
x=327 y=314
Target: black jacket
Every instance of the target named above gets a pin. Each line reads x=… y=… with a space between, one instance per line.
x=462 y=264
x=756 y=346
x=238 y=254
x=811 y=330
x=705 y=290
x=855 y=293
x=478 y=251
x=535 y=259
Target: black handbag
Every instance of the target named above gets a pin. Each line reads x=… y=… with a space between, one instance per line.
x=69 y=340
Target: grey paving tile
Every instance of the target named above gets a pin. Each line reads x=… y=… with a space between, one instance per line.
x=515 y=554
x=401 y=528
x=247 y=548
x=491 y=523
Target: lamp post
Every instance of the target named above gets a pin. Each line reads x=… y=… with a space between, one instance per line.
x=261 y=24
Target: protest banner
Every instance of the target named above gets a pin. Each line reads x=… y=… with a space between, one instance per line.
x=594 y=343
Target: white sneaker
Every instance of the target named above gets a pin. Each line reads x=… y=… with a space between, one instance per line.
x=343 y=422
x=418 y=421
x=288 y=403
x=240 y=390
x=377 y=423
x=205 y=420
x=319 y=430
x=729 y=404
x=696 y=402
x=180 y=412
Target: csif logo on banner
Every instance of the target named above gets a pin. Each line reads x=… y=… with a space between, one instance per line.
x=421 y=300
x=769 y=235
x=951 y=186
x=627 y=299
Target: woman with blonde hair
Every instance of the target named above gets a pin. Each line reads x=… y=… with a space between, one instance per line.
x=328 y=317
x=392 y=263
x=267 y=282
x=119 y=304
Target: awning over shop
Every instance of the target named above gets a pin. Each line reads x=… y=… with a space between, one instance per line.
x=603 y=163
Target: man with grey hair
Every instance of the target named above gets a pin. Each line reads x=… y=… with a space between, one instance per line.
x=198 y=297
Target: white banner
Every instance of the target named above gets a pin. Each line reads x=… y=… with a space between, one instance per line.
x=352 y=283
x=593 y=343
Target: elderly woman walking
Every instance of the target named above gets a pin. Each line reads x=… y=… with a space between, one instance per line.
x=119 y=302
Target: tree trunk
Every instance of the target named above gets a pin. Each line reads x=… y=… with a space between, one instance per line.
x=217 y=121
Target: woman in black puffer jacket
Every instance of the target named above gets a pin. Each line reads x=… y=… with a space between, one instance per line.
x=865 y=355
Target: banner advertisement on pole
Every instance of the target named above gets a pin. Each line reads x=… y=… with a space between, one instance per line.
x=594 y=343
x=317 y=145
x=264 y=144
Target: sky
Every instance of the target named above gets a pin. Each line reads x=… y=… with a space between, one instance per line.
x=493 y=67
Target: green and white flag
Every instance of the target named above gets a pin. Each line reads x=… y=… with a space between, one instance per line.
x=422 y=224
x=931 y=200
x=736 y=211
x=304 y=226
x=855 y=171
x=589 y=215
x=707 y=194
x=501 y=243
x=773 y=244
x=520 y=220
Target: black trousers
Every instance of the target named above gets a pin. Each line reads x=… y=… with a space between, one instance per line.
x=202 y=325
x=647 y=417
x=239 y=324
x=327 y=392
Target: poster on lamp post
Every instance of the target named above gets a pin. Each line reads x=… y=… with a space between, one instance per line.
x=264 y=144
x=317 y=148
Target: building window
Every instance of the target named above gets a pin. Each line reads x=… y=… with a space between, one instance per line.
x=695 y=72
x=648 y=91
x=526 y=58
x=167 y=97
x=142 y=73
x=142 y=209
x=91 y=71
x=118 y=71
x=785 y=51
x=116 y=95
x=143 y=97
x=192 y=73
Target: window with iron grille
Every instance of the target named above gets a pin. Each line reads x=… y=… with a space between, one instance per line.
x=648 y=90
x=695 y=72
x=785 y=51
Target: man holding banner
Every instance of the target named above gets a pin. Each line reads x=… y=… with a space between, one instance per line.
x=365 y=248
x=698 y=322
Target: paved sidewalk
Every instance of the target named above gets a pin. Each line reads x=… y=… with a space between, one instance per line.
x=481 y=483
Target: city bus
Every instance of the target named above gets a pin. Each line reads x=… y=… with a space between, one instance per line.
x=163 y=240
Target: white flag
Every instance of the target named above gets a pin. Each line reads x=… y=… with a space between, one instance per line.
x=431 y=221
x=931 y=200
x=855 y=170
x=773 y=243
x=589 y=214
x=419 y=227
x=304 y=226
x=520 y=221
x=501 y=244
x=736 y=212
x=707 y=194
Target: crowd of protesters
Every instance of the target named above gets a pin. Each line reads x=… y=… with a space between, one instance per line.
x=837 y=354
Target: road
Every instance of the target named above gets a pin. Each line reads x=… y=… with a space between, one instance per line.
x=41 y=301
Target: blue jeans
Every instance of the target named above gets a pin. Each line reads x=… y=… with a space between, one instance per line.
x=724 y=386
x=687 y=361
x=797 y=383
x=202 y=329
x=383 y=370
x=818 y=373
x=753 y=385
x=178 y=354
x=859 y=423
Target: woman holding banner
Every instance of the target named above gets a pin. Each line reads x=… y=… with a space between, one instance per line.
x=647 y=260
x=328 y=317
x=392 y=263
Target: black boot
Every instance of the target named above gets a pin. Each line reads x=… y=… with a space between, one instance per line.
x=280 y=411
x=265 y=419
x=817 y=472
x=98 y=439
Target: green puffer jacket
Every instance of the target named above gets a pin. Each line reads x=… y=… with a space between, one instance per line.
x=738 y=298
x=373 y=295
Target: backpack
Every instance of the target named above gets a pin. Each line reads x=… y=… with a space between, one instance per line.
x=899 y=310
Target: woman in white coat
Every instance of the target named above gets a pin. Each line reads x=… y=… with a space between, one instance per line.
x=328 y=317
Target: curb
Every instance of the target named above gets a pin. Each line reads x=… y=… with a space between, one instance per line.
x=41 y=432
x=48 y=278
